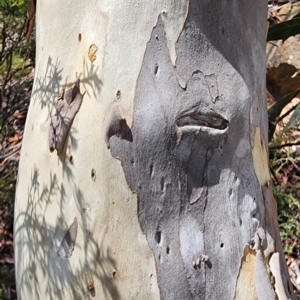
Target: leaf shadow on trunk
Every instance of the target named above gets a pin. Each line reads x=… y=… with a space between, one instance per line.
x=37 y=243
x=38 y=237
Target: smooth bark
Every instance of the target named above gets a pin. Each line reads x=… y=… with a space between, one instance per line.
x=162 y=188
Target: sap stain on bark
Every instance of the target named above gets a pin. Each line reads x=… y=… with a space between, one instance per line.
x=92 y=54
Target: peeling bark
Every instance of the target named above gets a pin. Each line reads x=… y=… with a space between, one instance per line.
x=67 y=107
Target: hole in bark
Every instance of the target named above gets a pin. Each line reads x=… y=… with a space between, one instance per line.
x=230 y=192
x=79 y=37
x=235 y=178
x=114 y=274
x=158 y=236
x=208 y=263
x=222 y=245
x=132 y=161
x=156 y=69
x=168 y=250
x=151 y=169
x=118 y=94
x=71 y=160
x=93 y=174
x=241 y=222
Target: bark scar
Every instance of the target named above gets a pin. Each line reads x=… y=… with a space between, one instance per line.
x=116 y=126
x=67 y=107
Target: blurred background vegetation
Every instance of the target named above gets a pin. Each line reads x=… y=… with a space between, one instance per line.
x=17 y=61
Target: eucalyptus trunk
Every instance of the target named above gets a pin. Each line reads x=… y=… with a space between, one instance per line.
x=144 y=166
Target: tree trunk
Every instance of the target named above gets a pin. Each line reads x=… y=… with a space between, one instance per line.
x=157 y=183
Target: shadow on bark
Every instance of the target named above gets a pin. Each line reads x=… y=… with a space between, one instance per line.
x=47 y=89
x=39 y=268
x=37 y=241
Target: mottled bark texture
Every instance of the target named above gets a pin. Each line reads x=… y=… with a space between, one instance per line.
x=180 y=206
x=197 y=158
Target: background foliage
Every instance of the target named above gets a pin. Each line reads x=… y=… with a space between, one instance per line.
x=284 y=121
x=16 y=65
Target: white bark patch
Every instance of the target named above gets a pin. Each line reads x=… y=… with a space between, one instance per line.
x=276 y=271
x=175 y=13
x=123 y=53
x=260 y=158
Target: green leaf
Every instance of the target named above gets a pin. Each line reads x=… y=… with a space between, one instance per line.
x=294 y=120
x=284 y=30
x=276 y=109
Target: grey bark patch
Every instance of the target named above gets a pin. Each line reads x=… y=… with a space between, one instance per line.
x=212 y=83
x=265 y=290
x=67 y=244
x=61 y=122
x=116 y=126
x=176 y=134
x=180 y=135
